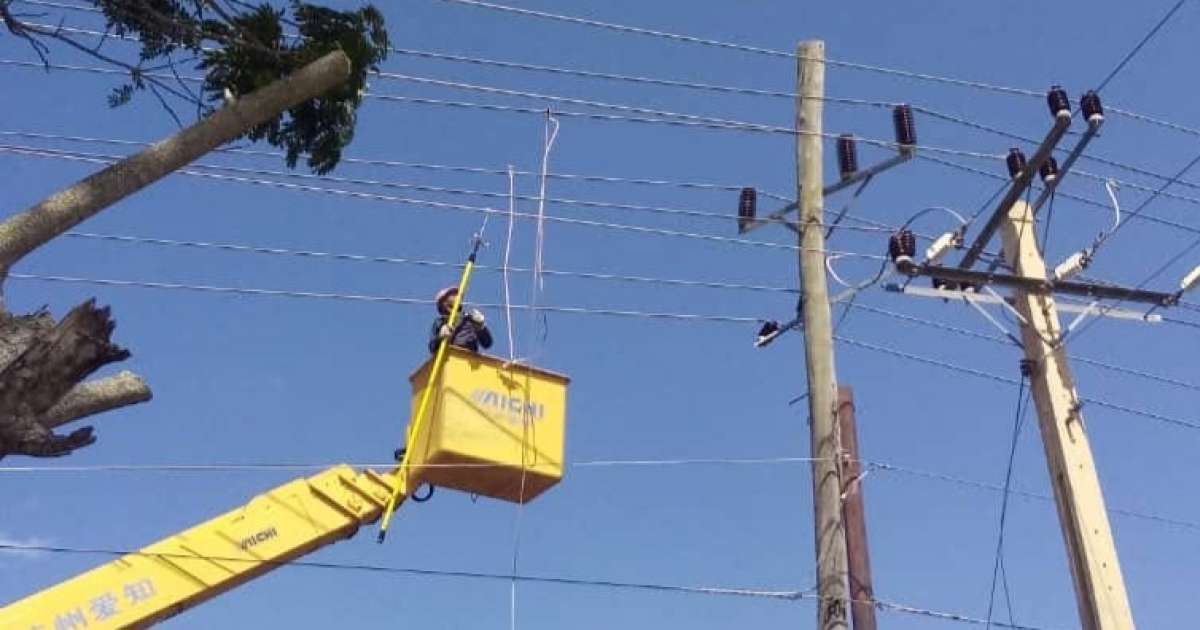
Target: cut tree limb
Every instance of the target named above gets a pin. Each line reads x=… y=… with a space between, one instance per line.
x=98 y=396
x=26 y=231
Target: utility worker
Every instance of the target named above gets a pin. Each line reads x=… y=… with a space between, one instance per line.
x=470 y=332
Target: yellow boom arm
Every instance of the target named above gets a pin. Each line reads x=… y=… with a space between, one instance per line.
x=192 y=567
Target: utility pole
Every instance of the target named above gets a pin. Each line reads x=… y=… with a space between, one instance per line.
x=862 y=595
x=1092 y=555
x=818 y=338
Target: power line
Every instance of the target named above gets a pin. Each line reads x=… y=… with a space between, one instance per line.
x=597 y=463
x=671 y=83
x=1058 y=193
x=708 y=284
x=730 y=124
x=743 y=47
x=584 y=203
x=1178 y=422
x=434 y=204
x=1189 y=424
x=998 y=563
x=718 y=591
x=379 y=299
x=414 y=165
x=300 y=253
x=1131 y=54
x=651 y=116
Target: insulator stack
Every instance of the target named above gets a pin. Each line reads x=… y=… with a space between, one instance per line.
x=1016 y=162
x=847 y=155
x=1057 y=99
x=906 y=129
x=1049 y=170
x=1190 y=281
x=902 y=246
x=1092 y=110
x=747 y=207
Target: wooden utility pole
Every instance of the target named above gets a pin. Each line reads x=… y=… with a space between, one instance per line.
x=1099 y=587
x=862 y=611
x=818 y=339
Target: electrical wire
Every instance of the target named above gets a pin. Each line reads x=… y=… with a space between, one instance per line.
x=882 y=466
x=418 y=165
x=998 y=564
x=717 y=591
x=1131 y=54
x=424 y=203
x=1162 y=418
x=733 y=124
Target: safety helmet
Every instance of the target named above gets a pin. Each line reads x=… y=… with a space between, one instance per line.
x=442 y=295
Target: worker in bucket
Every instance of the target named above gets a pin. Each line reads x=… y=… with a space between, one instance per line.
x=470 y=331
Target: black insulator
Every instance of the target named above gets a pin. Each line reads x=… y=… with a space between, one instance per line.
x=906 y=129
x=1090 y=104
x=1016 y=162
x=847 y=154
x=747 y=207
x=1027 y=366
x=902 y=244
x=769 y=327
x=1058 y=101
x=1049 y=170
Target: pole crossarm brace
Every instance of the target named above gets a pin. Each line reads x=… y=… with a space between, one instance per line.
x=979 y=298
x=1041 y=286
x=905 y=154
x=1020 y=184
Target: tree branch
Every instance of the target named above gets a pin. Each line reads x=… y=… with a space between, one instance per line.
x=24 y=232
x=97 y=396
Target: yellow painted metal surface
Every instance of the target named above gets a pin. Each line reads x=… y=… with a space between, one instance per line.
x=494 y=429
x=179 y=572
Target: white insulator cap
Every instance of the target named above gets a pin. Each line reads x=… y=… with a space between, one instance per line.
x=1191 y=281
x=940 y=247
x=1073 y=265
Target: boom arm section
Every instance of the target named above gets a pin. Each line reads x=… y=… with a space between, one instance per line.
x=174 y=574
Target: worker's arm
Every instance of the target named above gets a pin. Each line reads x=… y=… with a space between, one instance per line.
x=436 y=333
x=482 y=334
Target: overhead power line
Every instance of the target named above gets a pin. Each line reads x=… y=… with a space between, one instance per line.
x=717 y=591
x=721 y=123
x=431 y=204
x=874 y=465
x=413 y=165
x=1136 y=49
x=1178 y=422
x=666 y=82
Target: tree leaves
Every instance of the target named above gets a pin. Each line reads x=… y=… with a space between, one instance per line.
x=242 y=47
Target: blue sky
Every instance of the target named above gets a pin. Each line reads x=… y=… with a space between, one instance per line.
x=260 y=379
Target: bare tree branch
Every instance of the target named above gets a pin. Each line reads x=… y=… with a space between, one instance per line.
x=97 y=396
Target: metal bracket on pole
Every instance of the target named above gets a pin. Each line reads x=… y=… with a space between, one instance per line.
x=1087 y=309
x=905 y=154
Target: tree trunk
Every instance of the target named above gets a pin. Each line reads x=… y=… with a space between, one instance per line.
x=43 y=362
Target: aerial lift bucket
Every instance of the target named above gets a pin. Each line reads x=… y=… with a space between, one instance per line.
x=494 y=429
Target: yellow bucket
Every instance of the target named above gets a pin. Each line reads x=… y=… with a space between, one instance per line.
x=493 y=429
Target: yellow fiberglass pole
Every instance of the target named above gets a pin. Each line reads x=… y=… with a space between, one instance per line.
x=418 y=421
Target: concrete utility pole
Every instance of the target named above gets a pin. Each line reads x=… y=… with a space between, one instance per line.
x=818 y=338
x=1099 y=587
x=862 y=612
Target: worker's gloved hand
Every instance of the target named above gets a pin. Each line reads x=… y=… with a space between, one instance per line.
x=444 y=331
x=476 y=316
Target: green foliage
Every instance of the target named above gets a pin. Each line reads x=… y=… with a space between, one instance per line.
x=244 y=49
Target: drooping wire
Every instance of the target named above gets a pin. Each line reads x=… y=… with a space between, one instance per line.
x=998 y=564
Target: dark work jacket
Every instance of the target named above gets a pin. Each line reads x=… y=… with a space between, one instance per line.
x=467 y=334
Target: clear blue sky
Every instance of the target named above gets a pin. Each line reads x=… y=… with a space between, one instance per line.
x=245 y=379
